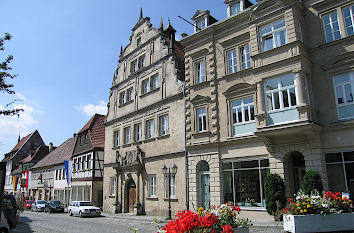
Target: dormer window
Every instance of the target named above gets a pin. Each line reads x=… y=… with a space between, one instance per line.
x=235 y=9
x=201 y=24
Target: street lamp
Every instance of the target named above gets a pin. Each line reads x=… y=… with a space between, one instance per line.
x=168 y=172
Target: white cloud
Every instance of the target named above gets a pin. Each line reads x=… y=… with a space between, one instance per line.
x=90 y=109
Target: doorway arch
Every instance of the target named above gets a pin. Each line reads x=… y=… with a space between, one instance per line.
x=204 y=184
x=130 y=196
x=296 y=171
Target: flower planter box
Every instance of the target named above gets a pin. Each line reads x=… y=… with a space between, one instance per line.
x=319 y=223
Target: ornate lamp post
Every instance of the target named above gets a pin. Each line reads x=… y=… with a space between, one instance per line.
x=169 y=172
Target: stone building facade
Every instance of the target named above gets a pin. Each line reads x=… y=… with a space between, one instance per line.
x=270 y=87
x=144 y=124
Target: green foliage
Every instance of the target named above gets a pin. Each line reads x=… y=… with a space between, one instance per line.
x=312 y=181
x=274 y=193
x=5 y=74
x=21 y=205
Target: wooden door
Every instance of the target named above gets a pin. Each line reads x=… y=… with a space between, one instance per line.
x=132 y=199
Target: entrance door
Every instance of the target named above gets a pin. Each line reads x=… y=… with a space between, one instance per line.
x=131 y=195
x=298 y=164
x=205 y=189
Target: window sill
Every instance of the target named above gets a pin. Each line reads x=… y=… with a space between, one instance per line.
x=111 y=196
x=152 y=198
x=163 y=136
x=116 y=147
x=150 y=92
x=126 y=145
x=173 y=199
x=242 y=136
x=283 y=110
x=149 y=140
x=137 y=143
x=203 y=133
x=126 y=103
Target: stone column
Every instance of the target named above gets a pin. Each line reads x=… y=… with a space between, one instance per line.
x=300 y=92
x=260 y=116
x=137 y=205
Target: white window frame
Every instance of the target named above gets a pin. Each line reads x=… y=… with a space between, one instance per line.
x=116 y=138
x=199 y=25
x=201 y=117
x=134 y=66
x=152 y=186
x=163 y=120
x=145 y=86
x=127 y=135
x=112 y=186
x=331 y=25
x=351 y=15
x=150 y=129
x=199 y=71
x=242 y=108
x=279 y=91
x=345 y=100
x=142 y=61
x=271 y=34
x=245 y=57
x=172 y=185
x=231 y=57
x=129 y=95
x=237 y=10
x=154 y=82
x=138 y=133
x=122 y=98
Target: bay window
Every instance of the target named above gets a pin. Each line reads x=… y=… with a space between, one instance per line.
x=273 y=35
x=344 y=89
x=242 y=112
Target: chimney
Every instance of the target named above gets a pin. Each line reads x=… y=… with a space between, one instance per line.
x=184 y=35
x=74 y=135
x=50 y=147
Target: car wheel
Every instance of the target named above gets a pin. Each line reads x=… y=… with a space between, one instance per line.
x=70 y=214
x=80 y=214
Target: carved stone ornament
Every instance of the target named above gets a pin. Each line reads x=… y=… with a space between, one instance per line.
x=130 y=158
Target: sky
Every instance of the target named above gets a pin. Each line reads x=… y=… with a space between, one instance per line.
x=65 y=53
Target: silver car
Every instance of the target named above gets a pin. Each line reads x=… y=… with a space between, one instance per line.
x=38 y=205
x=83 y=208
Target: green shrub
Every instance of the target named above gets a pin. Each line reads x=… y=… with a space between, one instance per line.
x=312 y=181
x=274 y=193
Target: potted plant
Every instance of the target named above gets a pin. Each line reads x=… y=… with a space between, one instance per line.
x=315 y=213
x=222 y=218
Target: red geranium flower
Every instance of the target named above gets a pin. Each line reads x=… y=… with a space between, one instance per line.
x=227 y=229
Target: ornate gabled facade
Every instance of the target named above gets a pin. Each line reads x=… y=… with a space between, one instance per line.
x=145 y=124
x=270 y=88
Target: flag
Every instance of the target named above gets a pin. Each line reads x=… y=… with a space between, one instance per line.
x=68 y=170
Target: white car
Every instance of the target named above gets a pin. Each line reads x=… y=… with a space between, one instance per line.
x=38 y=205
x=83 y=208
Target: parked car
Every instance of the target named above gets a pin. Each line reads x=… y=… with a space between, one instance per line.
x=4 y=225
x=38 y=205
x=54 y=206
x=83 y=208
x=9 y=207
x=28 y=204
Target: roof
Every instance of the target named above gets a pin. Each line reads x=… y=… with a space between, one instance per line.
x=59 y=155
x=39 y=153
x=21 y=142
x=97 y=133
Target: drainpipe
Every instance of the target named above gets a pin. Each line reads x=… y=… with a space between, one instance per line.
x=185 y=147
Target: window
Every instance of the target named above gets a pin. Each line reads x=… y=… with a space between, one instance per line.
x=242 y=111
x=200 y=24
x=331 y=26
x=232 y=61
x=344 y=89
x=280 y=92
x=145 y=86
x=141 y=62
x=137 y=132
x=89 y=162
x=235 y=9
x=201 y=120
x=150 y=129
x=122 y=98
x=85 y=137
x=273 y=35
x=340 y=171
x=199 y=72
x=348 y=18
x=80 y=140
x=172 y=186
x=130 y=94
x=243 y=182
x=138 y=41
x=116 y=138
x=127 y=135
x=79 y=163
x=113 y=185
x=84 y=163
x=133 y=66
x=154 y=82
x=164 y=125
x=245 y=57
x=152 y=186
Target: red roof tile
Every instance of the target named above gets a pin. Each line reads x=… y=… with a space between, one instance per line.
x=57 y=156
x=21 y=142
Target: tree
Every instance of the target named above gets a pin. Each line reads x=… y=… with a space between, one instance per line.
x=312 y=181
x=274 y=193
x=5 y=74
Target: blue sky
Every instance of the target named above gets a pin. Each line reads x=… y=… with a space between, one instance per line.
x=65 y=53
